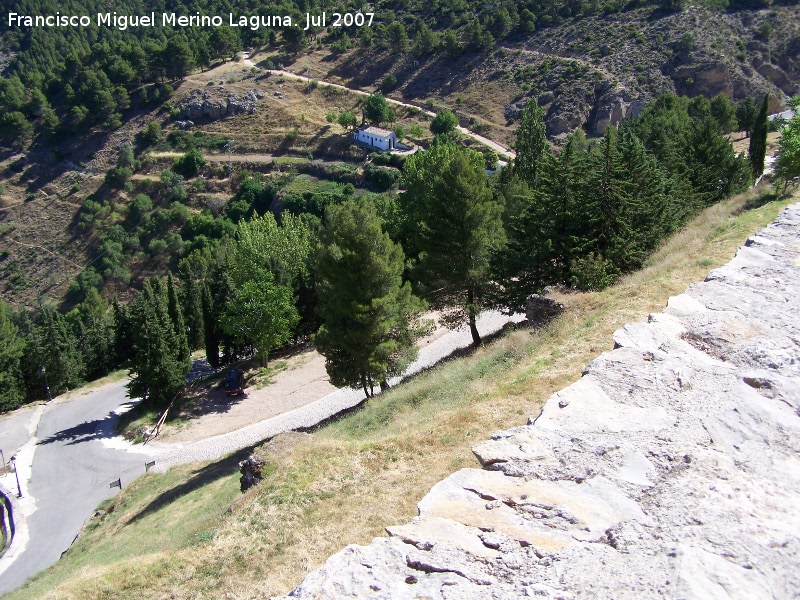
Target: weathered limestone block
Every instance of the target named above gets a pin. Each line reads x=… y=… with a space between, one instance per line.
x=671 y=469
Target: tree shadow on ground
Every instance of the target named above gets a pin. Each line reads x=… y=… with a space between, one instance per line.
x=200 y=477
x=86 y=431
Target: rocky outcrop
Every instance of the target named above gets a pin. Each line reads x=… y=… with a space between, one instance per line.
x=251 y=472
x=613 y=106
x=670 y=469
x=206 y=104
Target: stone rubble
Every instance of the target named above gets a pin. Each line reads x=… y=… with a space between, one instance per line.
x=670 y=469
x=205 y=104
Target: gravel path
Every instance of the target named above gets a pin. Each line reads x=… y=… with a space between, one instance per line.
x=319 y=410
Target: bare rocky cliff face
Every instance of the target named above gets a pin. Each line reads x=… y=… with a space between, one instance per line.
x=596 y=71
x=670 y=469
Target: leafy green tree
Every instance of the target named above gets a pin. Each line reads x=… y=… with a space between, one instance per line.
x=190 y=164
x=263 y=312
x=348 y=120
x=458 y=227
x=787 y=165
x=262 y=246
x=370 y=318
x=376 y=109
x=444 y=123
x=531 y=142
x=758 y=139
x=12 y=348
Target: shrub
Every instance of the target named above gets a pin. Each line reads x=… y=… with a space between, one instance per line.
x=591 y=273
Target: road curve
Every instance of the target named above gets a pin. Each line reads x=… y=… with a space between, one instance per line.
x=65 y=471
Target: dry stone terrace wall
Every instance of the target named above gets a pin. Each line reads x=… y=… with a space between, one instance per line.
x=671 y=469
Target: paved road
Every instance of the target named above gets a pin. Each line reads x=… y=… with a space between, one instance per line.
x=65 y=471
x=66 y=468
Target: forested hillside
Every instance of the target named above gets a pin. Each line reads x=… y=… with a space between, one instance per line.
x=125 y=245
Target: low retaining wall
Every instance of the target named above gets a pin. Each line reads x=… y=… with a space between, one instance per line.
x=670 y=469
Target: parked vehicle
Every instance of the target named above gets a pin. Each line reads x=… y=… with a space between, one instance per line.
x=234 y=382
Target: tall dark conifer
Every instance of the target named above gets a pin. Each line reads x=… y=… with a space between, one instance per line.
x=758 y=139
x=210 y=329
x=176 y=316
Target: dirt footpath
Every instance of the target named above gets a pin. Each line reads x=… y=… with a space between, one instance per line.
x=302 y=381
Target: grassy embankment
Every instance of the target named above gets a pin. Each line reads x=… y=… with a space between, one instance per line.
x=191 y=534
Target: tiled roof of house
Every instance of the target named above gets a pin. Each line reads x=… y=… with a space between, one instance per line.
x=372 y=129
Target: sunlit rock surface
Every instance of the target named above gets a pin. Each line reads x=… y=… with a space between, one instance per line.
x=671 y=469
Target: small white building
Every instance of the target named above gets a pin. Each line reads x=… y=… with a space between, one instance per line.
x=377 y=137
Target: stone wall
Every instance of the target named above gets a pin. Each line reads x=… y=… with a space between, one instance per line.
x=670 y=469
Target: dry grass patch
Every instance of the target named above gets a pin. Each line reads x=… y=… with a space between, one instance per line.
x=346 y=481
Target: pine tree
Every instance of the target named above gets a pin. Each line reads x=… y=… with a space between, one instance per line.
x=50 y=345
x=758 y=139
x=176 y=317
x=609 y=206
x=542 y=237
x=459 y=227
x=531 y=143
x=651 y=217
x=92 y=326
x=370 y=318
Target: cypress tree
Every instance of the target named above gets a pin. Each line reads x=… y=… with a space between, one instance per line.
x=758 y=139
x=543 y=238
x=123 y=334
x=157 y=370
x=193 y=312
x=608 y=206
x=210 y=330
x=370 y=319
x=176 y=317
x=531 y=143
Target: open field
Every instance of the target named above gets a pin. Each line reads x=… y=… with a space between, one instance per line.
x=190 y=534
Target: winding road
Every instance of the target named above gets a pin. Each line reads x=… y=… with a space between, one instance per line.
x=67 y=454
x=65 y=470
